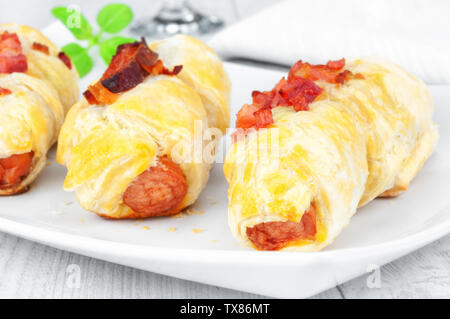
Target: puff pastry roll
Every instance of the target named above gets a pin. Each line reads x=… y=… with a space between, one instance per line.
x=324 y=141
x=129 y=144
x=47 y=62
x=32 y=108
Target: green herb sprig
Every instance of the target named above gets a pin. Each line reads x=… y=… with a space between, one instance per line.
x=111 y=19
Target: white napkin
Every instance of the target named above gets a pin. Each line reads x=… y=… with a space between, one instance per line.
x=412 y=33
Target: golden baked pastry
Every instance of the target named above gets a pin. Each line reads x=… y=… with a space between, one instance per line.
x=328 y=139
x=47 y=62
x=129 y=144
x=37 y=86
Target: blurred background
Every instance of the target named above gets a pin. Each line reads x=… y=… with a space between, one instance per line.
x=36 y=13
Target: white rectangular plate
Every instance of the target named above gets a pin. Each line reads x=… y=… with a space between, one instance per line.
x=381 y=231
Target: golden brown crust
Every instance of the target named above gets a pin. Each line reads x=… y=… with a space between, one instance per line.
x=394 y=191
x=364 y=139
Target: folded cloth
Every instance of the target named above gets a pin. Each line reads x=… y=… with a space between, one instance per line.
x=412 y=33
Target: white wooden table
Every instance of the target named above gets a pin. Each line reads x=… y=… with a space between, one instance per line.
x=31 y=270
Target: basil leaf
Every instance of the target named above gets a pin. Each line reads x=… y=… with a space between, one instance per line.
x=108 y=48
x=114 y=18
x=80 y=57
x=74 y=21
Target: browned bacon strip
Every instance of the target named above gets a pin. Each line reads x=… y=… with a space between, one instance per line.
x=130 y=66
x=297 y=91
x=11 y=57
x=4 y=91
x=41 y=47
x=65 y=59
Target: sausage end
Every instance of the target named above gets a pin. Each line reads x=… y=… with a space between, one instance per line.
x=159 y=191
x=277 y=235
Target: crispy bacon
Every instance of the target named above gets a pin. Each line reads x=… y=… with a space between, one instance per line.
x=9 y=42
x=343 y=76
x=295 y=91
x=124 y=80
x=98 y=94
x=313 y=72
x=65 y=59
x=245 y=116
x=336 y=65
x=4 y=91
x=331 y=72
x=263 y=117
x=41 y=47
x=298 y=91
x=130 y=66
x=90 y=97
x=176 y=69
x=11 y=57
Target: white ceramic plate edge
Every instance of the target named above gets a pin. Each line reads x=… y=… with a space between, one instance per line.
x=235 y=266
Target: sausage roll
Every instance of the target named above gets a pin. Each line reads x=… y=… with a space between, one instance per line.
x=31 y=108
x=130 y=143
x=323 y=142
x=46 y=61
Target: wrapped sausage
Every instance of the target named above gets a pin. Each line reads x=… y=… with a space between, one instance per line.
x=32 y=103
x=324 y=141
x=129 y=144
x=47 y=62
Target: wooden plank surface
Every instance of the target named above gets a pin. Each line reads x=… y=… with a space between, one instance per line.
x=31 y=270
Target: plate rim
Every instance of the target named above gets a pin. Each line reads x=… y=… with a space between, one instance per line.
x=80 y=243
